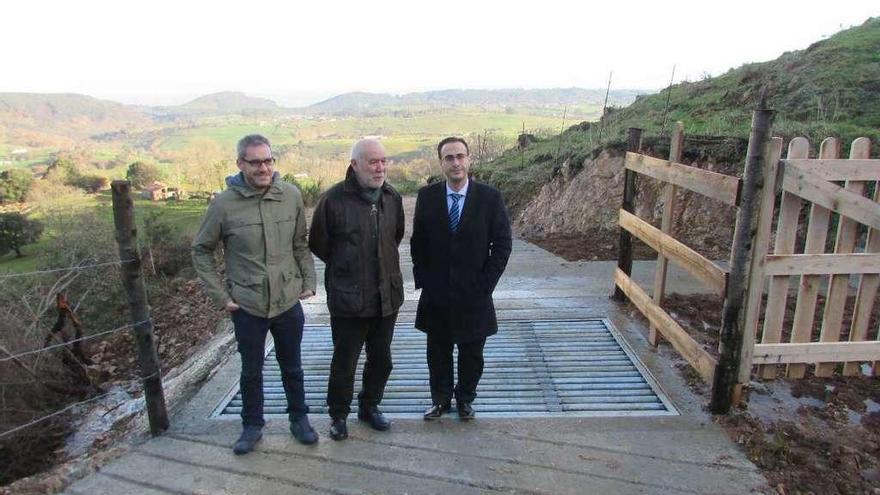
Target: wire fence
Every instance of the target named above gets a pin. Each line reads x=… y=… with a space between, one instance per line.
x=67 y=269
x=69 y=407
x=11 y=357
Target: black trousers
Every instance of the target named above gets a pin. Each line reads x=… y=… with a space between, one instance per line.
x=350 y=335
x=440 y=364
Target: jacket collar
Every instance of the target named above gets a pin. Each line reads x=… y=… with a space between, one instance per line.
x=238 y=184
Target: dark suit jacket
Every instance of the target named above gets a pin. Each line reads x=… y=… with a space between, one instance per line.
x=457 y=272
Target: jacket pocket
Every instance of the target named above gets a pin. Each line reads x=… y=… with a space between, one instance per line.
x=247 y=290
x=345 y=299
x=291 y=284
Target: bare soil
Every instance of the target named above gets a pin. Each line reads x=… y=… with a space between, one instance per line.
x=593 y=245
x=184 y=319
x=827 y=445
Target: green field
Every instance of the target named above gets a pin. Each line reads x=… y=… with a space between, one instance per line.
x=182 y=216
x=196 y=155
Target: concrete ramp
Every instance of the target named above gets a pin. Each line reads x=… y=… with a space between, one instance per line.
x=573 y=401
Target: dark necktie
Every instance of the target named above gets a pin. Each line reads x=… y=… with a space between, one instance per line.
x=454 y=212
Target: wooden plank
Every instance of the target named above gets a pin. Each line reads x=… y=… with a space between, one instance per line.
x=786 y=231
x=713 y=185
x=823 y=264
x=838 y=287
x=670 y=194
x=840 y=169
x=812 y=352
x=689 y=348
x=868 y=286
x=760 y=248
x=808 y=288
x=697 y=265
x=848 y=202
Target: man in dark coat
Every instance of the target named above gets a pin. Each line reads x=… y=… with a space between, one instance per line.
x=460 y=245
x=356 y=230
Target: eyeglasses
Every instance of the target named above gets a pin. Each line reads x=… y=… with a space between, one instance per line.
x=256 y=162
x=453 y=158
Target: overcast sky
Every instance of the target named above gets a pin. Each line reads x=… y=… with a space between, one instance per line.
x=166 y=52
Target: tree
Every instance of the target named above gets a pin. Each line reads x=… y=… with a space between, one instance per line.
x=14 y=185
x=16 y=231
x=91 y=183
x=142 y=174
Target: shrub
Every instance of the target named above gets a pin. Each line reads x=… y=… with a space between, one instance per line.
x=142 y=174
x=91 y=183
x=309 y=188
x=14 y=185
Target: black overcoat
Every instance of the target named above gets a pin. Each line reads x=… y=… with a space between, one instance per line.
x=458 y=271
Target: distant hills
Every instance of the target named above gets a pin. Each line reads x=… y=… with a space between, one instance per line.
x=358 y=102
x=59 y=119
x=229 y=102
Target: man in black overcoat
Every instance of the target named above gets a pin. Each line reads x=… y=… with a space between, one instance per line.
x=460 y=246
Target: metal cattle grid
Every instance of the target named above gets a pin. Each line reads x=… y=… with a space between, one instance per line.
x=546 y=368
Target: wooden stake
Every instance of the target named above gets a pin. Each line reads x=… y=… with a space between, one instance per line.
x=734 y=326
x=624 y=255
x=676 y=145
x=133 y=281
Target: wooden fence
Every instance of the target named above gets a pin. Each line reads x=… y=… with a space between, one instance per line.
x=801 y=180
x=675 y=175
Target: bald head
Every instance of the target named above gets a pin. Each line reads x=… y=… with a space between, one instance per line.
x=368 y=162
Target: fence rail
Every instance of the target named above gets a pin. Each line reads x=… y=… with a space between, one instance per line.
x=761 y=224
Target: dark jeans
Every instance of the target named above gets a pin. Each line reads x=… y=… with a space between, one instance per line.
x=440 y=372
x=349 y=336
x=250 y=333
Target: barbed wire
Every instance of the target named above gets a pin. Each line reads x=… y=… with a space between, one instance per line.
x=69 y=342
x=69 y=407
x=68 y=269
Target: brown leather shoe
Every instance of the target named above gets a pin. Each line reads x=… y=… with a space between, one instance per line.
x=436 y=411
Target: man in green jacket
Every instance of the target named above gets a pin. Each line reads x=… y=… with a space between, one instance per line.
x=356 y=229
x=261 y=222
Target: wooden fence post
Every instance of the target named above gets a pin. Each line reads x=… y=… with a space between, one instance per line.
x=624 y=254
x=667 y=223
x=133 y=281
x=743 y=283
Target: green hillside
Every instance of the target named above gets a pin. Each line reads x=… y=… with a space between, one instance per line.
x=831 y=88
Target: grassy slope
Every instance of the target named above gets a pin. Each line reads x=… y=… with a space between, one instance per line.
x=832 y=88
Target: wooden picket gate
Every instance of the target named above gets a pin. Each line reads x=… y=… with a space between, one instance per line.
x=813 y=181
x=755 y=268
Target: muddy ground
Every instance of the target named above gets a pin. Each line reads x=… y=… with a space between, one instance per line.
x=808 y=436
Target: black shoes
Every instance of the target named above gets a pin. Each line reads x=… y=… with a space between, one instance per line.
x=465 y=411
x=250 y=435
x=303 y=431
x=374 y=417
x=338 y=429
x=436 y=411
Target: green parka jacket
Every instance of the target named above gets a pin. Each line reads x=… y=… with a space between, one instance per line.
x=268 y=263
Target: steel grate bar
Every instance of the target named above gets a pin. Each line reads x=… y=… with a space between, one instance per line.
x=543 y=368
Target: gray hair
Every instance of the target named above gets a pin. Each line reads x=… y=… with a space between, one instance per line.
x=248 y=141
x=358 y=149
